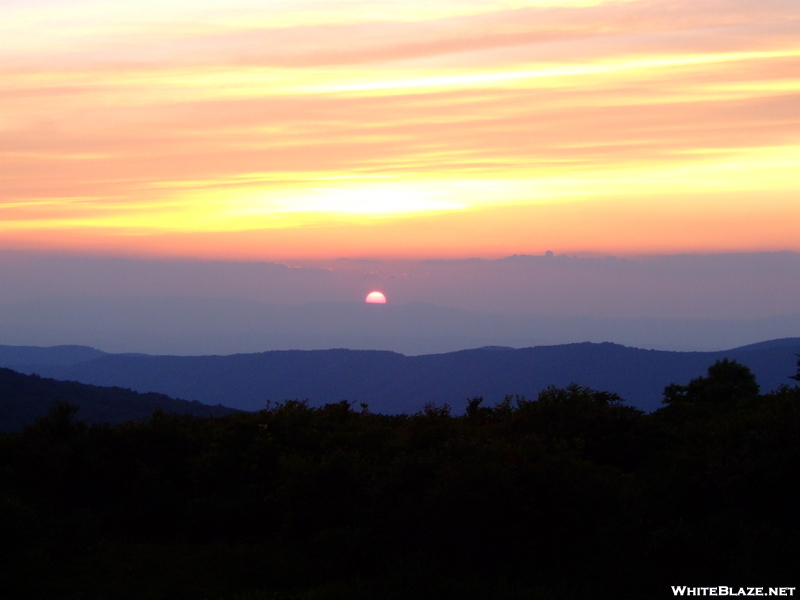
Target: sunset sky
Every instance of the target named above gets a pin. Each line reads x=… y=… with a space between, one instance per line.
x=316 y=129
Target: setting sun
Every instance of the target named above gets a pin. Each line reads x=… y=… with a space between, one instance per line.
x=376 y=298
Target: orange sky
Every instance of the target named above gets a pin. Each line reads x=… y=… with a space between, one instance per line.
x=323 y=128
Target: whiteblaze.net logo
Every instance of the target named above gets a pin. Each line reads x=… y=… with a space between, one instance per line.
x=722 y=590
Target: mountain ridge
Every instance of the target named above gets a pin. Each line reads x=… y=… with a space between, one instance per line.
x=395 y=383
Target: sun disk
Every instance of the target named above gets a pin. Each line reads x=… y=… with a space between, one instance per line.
x=376 y=298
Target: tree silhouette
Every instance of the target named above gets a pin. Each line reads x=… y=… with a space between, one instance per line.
x=726 y=380
x=569 y=495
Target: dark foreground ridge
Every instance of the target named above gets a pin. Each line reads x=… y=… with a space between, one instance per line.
x=393 y=383
x=25 y=398
x=569 y=496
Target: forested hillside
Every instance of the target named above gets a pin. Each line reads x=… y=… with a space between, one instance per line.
x=569 y=495
x=24 y=398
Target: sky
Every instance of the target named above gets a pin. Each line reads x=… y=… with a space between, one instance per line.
x=196 y=176
x=314 y=130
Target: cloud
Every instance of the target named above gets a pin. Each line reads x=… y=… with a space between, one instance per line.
x=184 y=124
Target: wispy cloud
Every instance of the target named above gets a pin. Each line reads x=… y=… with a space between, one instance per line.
x=400 y=128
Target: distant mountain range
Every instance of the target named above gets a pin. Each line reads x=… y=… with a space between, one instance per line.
x=394 y=383
x=24 y=398
x=192 y=326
